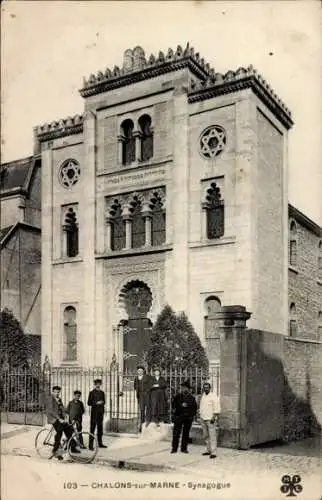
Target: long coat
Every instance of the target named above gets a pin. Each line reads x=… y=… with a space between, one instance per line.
x=157 y=400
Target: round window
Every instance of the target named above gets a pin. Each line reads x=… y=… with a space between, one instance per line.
x=69 y=173
x=212 y=141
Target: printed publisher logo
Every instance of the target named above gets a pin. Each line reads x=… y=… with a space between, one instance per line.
x=291 y=485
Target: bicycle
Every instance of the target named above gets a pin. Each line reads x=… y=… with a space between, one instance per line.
x=45 y=439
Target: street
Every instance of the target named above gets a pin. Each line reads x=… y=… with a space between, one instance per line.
x=31 y=478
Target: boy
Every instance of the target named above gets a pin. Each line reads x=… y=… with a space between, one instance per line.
x=96 y=400
x=209 y=410
x=184 y=408
x=75 y=410
x=55 y=413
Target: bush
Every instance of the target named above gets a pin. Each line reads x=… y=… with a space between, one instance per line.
x=13 y=347
x=175 y=344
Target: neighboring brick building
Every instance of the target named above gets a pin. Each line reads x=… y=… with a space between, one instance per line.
x=20 y=203
x=305 y=277
x=172 y=187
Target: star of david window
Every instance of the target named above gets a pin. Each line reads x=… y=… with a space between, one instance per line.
x=212 y=141
x=69 y=173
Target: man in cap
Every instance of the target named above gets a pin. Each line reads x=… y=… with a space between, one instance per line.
x=96 y=401
x=55 y=413
x=209 y=411
x=75 y=410
x=184 y=408
x=141 y=387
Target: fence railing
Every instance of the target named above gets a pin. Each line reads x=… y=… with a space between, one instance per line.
x=23 y=389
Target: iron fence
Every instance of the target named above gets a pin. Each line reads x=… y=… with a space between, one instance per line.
x=23 y=390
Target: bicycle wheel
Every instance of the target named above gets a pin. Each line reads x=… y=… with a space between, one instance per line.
x=44 y=443
x=82 y=440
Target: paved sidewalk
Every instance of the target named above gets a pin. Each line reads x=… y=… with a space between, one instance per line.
x=136 y=453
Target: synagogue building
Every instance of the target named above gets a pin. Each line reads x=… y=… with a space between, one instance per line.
x=170 y=188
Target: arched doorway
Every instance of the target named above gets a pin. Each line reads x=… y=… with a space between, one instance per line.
x=137 y=301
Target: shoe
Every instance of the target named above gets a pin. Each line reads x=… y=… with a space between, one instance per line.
x=59 y=457
x=91 y=448
x=102 y=446
x=212 y=456
x=184 y=451
x=75 y=451
x=206 y=453
x=173 y=451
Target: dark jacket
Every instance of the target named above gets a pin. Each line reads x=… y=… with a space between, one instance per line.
x=159 y=384
x=94 y=396
x=142 y=386
x=54 y=408
x=75 y=410
x=184 y=405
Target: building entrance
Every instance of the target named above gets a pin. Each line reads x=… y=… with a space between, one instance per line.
x=137 y=326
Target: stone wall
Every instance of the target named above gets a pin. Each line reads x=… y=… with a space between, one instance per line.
x=305 y=289
x=303 y=387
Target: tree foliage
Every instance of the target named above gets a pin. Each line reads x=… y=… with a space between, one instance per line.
x=13 y=346
x=174 y=343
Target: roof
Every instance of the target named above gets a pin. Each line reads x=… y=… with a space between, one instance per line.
x=136 y=67
x=304 y=220
x=6 y=233
x=15 y=176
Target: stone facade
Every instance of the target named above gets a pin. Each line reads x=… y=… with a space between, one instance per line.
x=20 y=198
x=219 y=160
x=305 y=277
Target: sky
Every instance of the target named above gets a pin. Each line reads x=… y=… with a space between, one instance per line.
x=48 y=46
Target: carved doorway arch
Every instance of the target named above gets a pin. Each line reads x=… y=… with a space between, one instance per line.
x=137 y=302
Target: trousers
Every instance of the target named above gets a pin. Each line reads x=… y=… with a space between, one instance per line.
x=210 y=436
x=60 y=428
x=97 y=415
x=181 y=424
x=142 y=402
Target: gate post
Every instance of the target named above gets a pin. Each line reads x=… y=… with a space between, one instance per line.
x=233 y=371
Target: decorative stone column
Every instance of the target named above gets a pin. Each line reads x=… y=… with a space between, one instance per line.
x=64 y=242
x=108 y=233
x=120 y=140
x=137 y=135
x=128 y=231
x=148 y=228
x=233 y=371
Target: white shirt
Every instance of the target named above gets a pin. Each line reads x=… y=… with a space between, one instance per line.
x=209 y=404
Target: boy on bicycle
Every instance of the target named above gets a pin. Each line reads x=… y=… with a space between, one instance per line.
x=75 y=410
x=55 y=413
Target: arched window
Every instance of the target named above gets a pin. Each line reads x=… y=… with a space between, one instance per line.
x=70 y=334
x=213 y=305
x=292 y=321
x=146 y=137
x=71 y=229
x=138 y=225
x=128 y=142
x=214 y=206
x=158 y=222
x=293 y=244
x=320 y=261
x=118 y=229
x=320 y=326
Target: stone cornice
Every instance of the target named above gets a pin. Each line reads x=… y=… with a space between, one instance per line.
x=151 y=68
x=234 y=81
x=60 y=128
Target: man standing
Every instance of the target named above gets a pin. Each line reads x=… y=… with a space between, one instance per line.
x=209 y=411
x=75 y=410
x=141 y=387
x=184 y=408
x=96 y=400
x=55 y=413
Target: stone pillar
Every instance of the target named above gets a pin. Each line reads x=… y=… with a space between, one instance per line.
x=137 y=136
x=128 y=233
x=120 y=139
x=148 y=229
x=108 y=234
x=233 y=371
